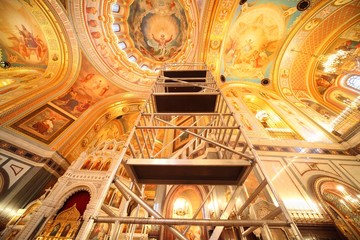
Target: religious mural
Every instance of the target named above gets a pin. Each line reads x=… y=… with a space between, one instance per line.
x=22 y=44
x=100 y=231
x=64 y=226
x=339 y=59
x=113 y=198
x=89 y=88
x=342 y=203
x=44 y=124
x=340 y=98
x=323 y=111
x=183 y=203
x=158 y=28
x=262 y=27
x=22 y=40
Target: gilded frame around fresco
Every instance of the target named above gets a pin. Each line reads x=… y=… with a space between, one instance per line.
x=44 y=124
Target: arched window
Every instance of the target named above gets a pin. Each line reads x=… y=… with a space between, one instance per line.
x=116 y=27
x=132 y=58
x=354 y=82
x=115 y=8
x=122 y=45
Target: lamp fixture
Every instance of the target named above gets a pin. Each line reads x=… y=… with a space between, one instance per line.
x=5 y=64
x=262 y=115
x=334 y=61
x=181 y=207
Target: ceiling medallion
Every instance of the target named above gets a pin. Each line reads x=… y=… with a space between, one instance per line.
x=303 y=5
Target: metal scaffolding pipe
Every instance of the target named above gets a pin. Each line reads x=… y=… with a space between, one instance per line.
x=185 y=114
x=202 y=85
x=194 y=222
x=213 y=142
x=147 y=208
x=187 y=127
x=252 y=196
x=185 y=94
x=107 y=210
x=121 y=190
x=270 y=215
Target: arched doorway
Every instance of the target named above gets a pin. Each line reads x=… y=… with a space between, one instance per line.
x=68 y=219
x=183 y=202
x=342 y=202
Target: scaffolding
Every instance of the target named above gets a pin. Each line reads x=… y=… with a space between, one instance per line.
x=187 y=133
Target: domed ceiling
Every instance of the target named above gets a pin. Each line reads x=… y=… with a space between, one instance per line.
x=256 y=40
x=83 y=58
x=130 y=41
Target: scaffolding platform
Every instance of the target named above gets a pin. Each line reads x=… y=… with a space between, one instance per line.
x=187 y=133
x=191 y=76
x=191 y=91
x=185 y=103
x=184 y=171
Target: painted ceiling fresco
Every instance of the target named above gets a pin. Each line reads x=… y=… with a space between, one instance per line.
x=68 y=63
x=158 y=28
x=302 y=56
x=24 y=42
x=255 y=36
x=131 y=41
x=35 y=49
x=345 y=52
x=90 y=88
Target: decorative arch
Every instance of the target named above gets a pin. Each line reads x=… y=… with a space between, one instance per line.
x=79 y=197
x=353 y=82
x=4 y=181
x=36 y=73
x=89 y=124
x=340 y=97
x=342 y=202
x=182 y=202
x=67 y=220
x=71 y=190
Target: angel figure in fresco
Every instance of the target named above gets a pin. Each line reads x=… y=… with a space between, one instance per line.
x=162 y=41
x=28 y=44
x=27 y=36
